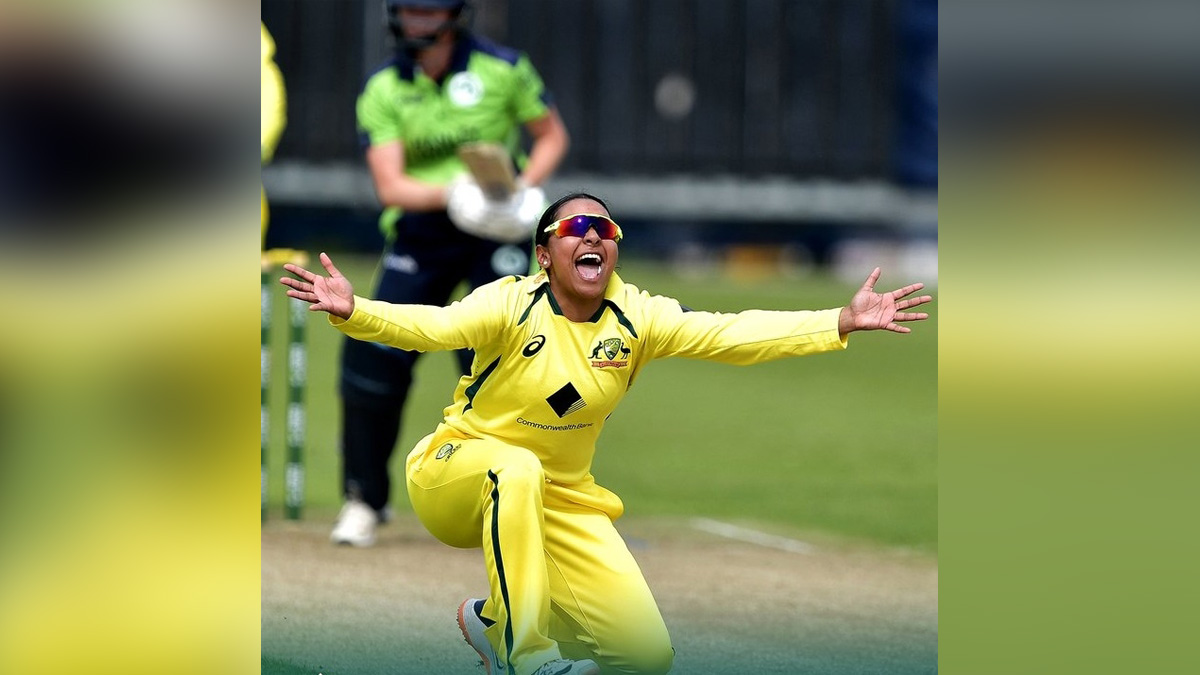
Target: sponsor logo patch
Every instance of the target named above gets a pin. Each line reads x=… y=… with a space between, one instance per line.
x=509 y=259
x=465 y=89
x=554 y=427
x=447 y=450
x=566 y=400
x=405 y=264
x=534 y=346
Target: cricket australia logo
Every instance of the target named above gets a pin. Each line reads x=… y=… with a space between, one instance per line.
x=610 y=353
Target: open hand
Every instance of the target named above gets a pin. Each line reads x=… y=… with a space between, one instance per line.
x=332 y=294
x=869 y=310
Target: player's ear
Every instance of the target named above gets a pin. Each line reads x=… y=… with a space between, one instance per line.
x=543 y=256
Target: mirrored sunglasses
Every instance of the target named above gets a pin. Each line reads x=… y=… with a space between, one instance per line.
x=578 y=225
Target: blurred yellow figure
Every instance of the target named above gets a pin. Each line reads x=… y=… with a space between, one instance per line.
x=274 y=110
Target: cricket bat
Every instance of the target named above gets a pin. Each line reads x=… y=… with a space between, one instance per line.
x=492 y=168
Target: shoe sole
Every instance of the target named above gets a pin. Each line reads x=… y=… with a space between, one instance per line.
x=466 y=633
x=356 y=543
x=589 y=669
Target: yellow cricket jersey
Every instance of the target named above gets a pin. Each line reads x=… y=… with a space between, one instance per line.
x=547 y=384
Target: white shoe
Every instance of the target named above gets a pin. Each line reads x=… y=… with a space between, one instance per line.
x=565 y=667
x=471 y=625
x=355 y=525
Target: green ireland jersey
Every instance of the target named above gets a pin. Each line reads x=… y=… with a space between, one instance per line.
x=488 y=94
x=547 y=384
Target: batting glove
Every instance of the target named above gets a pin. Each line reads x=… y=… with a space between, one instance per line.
x=509 y=221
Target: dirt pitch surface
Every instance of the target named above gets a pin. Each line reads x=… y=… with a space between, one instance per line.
x=731 y=606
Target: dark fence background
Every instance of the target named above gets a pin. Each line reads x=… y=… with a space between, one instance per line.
x=749 y=87
x=319 y=50
x=788 y=122
x=779 y=87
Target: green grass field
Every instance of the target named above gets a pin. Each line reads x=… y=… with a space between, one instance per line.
x=842 y=444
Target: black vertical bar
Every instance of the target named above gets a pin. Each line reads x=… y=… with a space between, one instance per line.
x=804 y=62
x=615 y=101
x=761 y=110
x=560 y=49
x=719 y=67
x=852 y=123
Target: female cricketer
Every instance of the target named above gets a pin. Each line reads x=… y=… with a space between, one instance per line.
x=509 y=468
x=443 y=87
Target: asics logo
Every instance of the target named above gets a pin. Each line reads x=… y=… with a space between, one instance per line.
x=534 y=346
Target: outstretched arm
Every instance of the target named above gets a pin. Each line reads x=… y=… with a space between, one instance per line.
x=869 y=310
x=332 y=294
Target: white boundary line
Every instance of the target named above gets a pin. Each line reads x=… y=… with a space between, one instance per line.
x=747 y=535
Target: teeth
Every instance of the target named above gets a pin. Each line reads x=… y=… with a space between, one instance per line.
x=589 y=257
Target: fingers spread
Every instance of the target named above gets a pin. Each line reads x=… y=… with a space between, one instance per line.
x=871 y=279
x=299 y=271
x=913 y=302
x=296 y=284
x=911 y=288
x=329 y=267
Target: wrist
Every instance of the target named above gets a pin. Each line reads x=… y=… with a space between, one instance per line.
x=441 y=196
x=345 y=315
x=845 y=321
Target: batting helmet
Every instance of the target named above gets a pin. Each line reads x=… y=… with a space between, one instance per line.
x=427 y=4
x=460 y=18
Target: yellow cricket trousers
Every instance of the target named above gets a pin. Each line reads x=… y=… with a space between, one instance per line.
x=563 y=583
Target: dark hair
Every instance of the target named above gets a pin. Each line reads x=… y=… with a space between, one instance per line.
x=540 y=235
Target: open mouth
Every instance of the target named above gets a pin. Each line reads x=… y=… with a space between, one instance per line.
x=589 y=266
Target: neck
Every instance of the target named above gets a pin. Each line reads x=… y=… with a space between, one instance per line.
x=577 y=309
x=435 y=60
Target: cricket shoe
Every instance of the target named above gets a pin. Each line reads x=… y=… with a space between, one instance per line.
x=355 y=525
x=472 y=627
x=565 y=667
